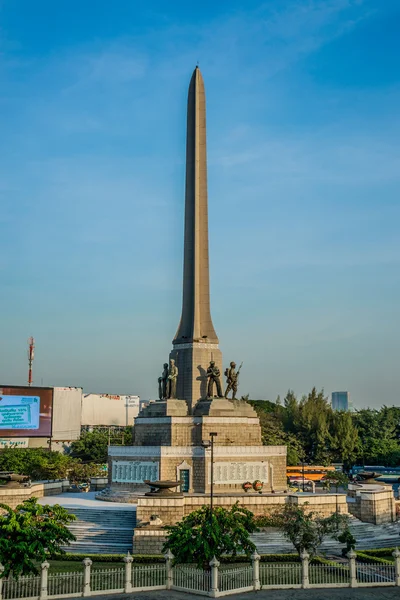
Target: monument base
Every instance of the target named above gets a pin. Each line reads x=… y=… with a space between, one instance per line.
x=149 y=540
x=233 y=464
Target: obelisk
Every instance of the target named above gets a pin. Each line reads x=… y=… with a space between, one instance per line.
x=196 y=342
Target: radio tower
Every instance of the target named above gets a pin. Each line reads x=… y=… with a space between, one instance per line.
x=31 y=356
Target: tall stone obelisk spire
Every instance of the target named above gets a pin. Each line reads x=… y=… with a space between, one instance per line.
x=196 y=342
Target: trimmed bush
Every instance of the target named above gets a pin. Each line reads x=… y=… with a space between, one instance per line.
x=159 y=558
x=118 y=558
x=367 y=558
x=379 y=551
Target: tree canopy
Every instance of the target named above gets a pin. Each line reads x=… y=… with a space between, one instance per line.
x=313 y=432
x=92 y=446
x=37 y=463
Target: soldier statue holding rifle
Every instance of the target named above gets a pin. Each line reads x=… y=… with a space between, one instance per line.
x=162 y=383
x=213 y=375
x=232 y=380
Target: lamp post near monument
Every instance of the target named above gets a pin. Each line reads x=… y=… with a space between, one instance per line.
x=210 y=444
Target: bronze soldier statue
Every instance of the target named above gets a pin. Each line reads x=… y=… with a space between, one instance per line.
x=172 y=377
x=162 y=383
x=213 y=375
x=232 y=380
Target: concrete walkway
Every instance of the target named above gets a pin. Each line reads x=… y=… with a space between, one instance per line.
x=85 y=500
x=374 y=593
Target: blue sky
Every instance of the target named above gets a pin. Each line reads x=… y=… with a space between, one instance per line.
x=304 y=175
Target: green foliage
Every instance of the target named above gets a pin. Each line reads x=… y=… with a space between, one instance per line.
x=306 y=529
x=92 y=446
x=109 y=558
x=313 y=432
x=378 y=433
x=336 y=479
x=367 y=558
x=200 y=536
x=38 y=463
x=344 y=437
x=285 y=558
x=269 y=519
x=379 y=551
x=82 y=473
x=346 y=537
x=272 y=430
x=29 y=533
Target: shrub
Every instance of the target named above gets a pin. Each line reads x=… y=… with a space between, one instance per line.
x=272 y=519
x=201 y=535
x=379 y=551
x=117 y=558
x=367 y=558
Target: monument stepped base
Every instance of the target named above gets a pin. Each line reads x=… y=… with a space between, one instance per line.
x=149 y=540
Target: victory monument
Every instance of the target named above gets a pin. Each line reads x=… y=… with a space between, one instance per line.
x=193 y=397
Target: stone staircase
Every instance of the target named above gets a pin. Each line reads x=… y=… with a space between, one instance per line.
x=367 y=535
x=110 y=531
x=100 y=531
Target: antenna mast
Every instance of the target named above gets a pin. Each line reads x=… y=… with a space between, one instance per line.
x=31 y=356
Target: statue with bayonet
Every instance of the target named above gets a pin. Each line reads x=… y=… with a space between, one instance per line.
x=232 y=379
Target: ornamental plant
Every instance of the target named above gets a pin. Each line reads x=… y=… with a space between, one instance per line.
x=29 y=533
x=247 y=486
x=306 y=529
x=258 y=485
x=202 y=535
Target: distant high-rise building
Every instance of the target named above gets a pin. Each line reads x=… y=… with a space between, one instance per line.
x=340 y=400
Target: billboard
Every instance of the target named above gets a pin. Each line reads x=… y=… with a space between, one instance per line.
x=25 y=411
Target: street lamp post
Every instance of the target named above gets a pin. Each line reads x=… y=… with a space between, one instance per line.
x=210 y=444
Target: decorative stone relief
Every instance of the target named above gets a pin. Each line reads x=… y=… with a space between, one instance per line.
x=239 y=472
x=196 y=451
x=124 y=471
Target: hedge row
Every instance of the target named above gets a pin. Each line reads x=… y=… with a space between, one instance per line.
x=367 y=558
x=379 y=551
x=137 y=558
x=158 y=558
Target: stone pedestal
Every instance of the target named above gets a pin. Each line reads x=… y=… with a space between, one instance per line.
x=192 y=360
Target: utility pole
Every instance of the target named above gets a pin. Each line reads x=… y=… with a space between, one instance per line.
x=31 y=356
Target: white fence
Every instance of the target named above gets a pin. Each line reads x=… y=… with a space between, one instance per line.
x=219 y=580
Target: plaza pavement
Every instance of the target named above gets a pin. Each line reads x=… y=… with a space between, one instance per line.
x=373 y=593
x=85 y=500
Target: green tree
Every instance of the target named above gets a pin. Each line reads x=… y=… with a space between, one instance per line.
x=344 y=438
x=307 y=529
x=29 y=533
x=92 y=446
x=291 y=413
x=200 y=536
x=346 y=537
x=312 y=422
x=377 y=430
x=37 y=463
x=336 y=479
x=83 y=472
